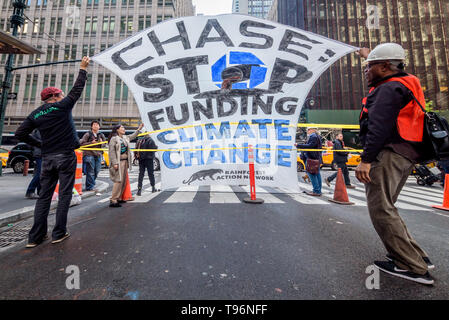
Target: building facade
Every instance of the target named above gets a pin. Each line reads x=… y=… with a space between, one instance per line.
x=255 y=8
x=420 y=26
x=71 y=29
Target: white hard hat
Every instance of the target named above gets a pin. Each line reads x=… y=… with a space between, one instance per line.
x=387 y=51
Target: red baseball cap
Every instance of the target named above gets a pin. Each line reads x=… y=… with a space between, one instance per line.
x=49 y=92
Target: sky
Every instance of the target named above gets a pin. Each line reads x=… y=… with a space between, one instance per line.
x=213 y=7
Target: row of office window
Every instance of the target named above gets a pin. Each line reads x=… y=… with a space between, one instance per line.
x=94 y=3
x=103 y=83
x=91 y=25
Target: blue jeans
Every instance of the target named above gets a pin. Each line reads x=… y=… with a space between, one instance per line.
x=92 y=167
x=35 y=183
x=316 y=181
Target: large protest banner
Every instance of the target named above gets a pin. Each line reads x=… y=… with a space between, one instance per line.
x=208 y=87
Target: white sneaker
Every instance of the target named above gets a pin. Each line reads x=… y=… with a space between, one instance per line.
x=98 y=194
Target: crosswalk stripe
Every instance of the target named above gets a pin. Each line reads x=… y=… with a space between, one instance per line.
x=183 y=195
x=399 y=204
x=360 y=199
x=147 y=197
x=428 y=192
x=421 y=196
x=267 y=197
x=305 y=199
x=223 y=194
x=356 y=201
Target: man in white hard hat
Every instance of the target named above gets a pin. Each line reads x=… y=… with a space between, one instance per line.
x=391 y=132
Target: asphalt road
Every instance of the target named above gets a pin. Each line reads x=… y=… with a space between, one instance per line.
x=162 y=248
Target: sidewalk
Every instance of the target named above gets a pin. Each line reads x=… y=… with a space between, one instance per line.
x=13 y=204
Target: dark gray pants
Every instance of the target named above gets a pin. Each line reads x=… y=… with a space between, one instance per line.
x=344 y=170
x=388 y=176
x=147 y=164
x=62 y=167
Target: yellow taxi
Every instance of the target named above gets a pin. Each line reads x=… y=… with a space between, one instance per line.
x=4 y=154
x=105 y=160
x=328 y=160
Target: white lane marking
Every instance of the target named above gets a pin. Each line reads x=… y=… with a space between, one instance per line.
x=223 y=194
x=420 y=196
x=305 y=199
x=428 y=192
x=146 y=197
x=267 y=197
x=356 y=202
x=183 y=195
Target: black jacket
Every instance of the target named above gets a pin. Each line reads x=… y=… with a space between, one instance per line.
x=339 y=157
x=147 y=143
x=55 y=122
x=314 y=142
x=37 y=152
x=378 y=129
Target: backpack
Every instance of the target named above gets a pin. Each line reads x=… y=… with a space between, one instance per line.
x=138 y=146
x=436 y=135
x=99 y=135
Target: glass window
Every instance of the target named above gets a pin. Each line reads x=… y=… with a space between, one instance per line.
x=34 y=88
x=87 y=25
x=52 y=25
x=59 y=26
x=73 y=55
x=99 y=87
x=118 y=89
x=88 y=89
x=27 y=87
x=107 y=86
x=111 y=24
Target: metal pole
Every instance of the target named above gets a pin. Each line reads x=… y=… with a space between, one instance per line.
x=45 y=64
x=17 y=21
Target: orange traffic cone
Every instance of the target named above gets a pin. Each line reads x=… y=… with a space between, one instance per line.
x=340 y=193
x=127 y=195
x=55 y=193
x=445 y=205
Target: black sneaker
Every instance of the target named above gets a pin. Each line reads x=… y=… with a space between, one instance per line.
x=327 y=182
x=31 y=195
x=391 y=268
x=154 y=189
x=114 y=204
x=430 y=265
x=139 y=192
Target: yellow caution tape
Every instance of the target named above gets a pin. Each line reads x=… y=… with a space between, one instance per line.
x=300 y=125
x=233 y=148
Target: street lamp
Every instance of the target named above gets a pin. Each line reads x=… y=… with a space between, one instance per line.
x=17 y=21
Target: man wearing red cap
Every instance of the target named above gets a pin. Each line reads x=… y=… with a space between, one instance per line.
x=59 y=140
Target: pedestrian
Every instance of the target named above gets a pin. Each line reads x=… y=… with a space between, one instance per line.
x=444 y=165
x=59 y=140
x=35 y=184
x=146 y=162
x=391 y=133
x=340 y=158
x=92 y=159
x=120 y=161
x=313 y=160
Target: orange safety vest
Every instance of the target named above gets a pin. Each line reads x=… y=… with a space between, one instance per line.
x=410 y=121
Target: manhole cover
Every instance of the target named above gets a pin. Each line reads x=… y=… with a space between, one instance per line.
x=13 y=236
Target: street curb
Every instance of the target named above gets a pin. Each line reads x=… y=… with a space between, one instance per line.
x=26 y=212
